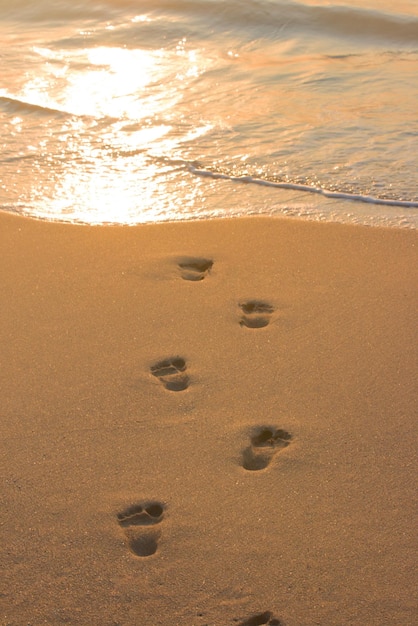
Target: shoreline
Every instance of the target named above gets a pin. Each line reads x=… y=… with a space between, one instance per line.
x=322 y=210
x=208 y=422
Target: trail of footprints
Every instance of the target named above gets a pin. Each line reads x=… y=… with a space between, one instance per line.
x=140 y=522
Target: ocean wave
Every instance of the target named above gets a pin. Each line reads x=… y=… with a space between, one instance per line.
x=199 y=171
x=342 y=21
x=273 y=94
x=294 y=17
x=278 y=19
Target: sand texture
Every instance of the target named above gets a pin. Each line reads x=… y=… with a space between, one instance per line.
x=208 y=424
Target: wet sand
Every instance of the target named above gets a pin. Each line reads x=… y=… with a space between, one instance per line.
x=208 y=423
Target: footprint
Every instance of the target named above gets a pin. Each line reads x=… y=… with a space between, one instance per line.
x=133 y=519
x=255 y=313
x=194 y=268
x=261 y=619
x=171 y=373
x=265 y=444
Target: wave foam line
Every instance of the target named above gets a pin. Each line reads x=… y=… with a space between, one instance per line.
x=20 y=106
x=299 y=187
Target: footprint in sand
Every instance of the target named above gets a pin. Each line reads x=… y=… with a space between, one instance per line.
x=255 y=313
x=172 y=373
x=262 y=619
x=195 y=268
x=142 y=542
x=265 y=443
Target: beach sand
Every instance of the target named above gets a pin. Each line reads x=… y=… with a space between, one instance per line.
x=208 y=423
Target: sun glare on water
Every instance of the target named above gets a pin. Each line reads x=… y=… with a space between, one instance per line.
x=103 y=154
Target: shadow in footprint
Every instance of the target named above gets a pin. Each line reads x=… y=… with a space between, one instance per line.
x=144 y=545
x=142 y=542
x=171 y=373
x=262 y=619
x=194 y=268
x=264 y=445
x=255 y=313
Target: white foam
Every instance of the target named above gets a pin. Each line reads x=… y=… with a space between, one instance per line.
x=305 y=188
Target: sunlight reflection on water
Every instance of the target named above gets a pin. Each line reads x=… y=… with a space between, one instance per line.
x=102 y=118
x=103 y=159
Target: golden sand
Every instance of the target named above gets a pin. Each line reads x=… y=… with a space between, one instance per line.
x=208 y=423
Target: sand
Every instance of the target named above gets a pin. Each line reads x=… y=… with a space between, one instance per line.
x=208 y=424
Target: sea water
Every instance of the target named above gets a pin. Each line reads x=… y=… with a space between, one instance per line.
x=130 y=111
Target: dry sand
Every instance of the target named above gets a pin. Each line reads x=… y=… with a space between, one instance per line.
x=132 y=399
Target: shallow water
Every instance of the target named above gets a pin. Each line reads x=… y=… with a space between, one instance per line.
x=135 y=111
